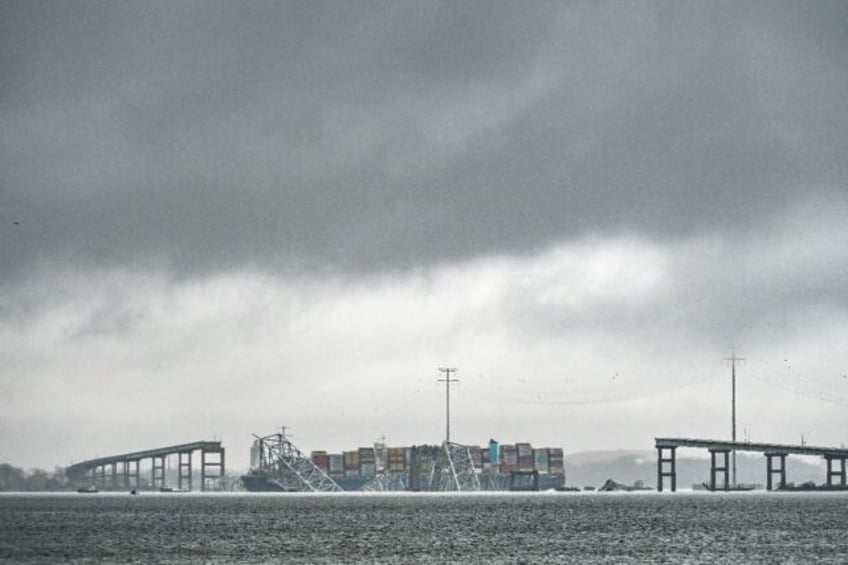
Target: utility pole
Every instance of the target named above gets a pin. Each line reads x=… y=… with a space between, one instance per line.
x=447 y=380
x=733 y=360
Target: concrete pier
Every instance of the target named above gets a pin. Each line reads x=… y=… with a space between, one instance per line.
x=772 y=469
x=666 y=467
x=208 y=462
x=715 y=468
x=838 y=473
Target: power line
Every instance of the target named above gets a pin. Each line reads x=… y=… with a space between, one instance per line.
x=596 y=396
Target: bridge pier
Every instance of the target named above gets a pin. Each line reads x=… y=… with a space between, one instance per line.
x=134 y=475
x=157 y=472
x=715 y=468
x=772 y=470
x=206 y=465
x=839 y=473
x=184 y=469
x=661 y=469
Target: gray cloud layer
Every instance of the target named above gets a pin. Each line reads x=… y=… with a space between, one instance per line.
x=374 y=135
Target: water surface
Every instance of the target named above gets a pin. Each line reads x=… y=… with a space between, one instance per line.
x=416 y=528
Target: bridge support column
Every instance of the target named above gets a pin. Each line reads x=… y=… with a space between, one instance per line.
x=206 y=465
x=772 y=470
x=134 y=475
x=715 y=468
x=102 y=481
x=831 y=472
x=158 y=471
x=114 y=475
x=185 y=469
x=671 y=472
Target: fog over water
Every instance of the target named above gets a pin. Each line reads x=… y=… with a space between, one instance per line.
x=216 y=219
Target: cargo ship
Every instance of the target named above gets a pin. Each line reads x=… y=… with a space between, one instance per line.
x=498 y=467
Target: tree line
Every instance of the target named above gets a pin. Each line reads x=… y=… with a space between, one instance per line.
x=15 y=479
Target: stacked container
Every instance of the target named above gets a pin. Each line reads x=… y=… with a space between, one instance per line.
x=396 y=460
x=351 y=463
x=367 y=462
x=321 y=460
x=525 y=456
x=509 y=458
x=555 y=461
x=336 y=464
x=485 y=461
x=541 y=460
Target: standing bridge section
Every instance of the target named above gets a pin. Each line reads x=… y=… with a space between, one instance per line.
x=775 y=460
x=123 y=471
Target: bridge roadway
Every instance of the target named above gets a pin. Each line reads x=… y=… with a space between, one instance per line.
x=94 y=471
x=774 y=452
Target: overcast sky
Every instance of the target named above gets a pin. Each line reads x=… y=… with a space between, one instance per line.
x=220 y=217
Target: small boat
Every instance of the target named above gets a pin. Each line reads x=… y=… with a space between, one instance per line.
x=171 y=489
x=90 y=489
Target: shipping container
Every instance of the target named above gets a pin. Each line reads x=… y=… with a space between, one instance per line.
x=508 y=453
x=541 y=460
x=368 y=470
x=555 y=461
x=320 y=459
x=397 y=459
x=367 y=455
x=524 y=450
x=525 y=463
x=336 y=465
x=351 y=461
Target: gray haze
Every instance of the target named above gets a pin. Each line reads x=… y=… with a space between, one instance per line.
x=216 y=218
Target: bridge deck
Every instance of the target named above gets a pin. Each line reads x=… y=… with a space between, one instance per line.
x=836 y=452
x=82 y=466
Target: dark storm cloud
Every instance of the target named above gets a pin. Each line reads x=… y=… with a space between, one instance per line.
x=375 y=135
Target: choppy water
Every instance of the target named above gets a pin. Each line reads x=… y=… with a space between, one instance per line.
x=530 y=528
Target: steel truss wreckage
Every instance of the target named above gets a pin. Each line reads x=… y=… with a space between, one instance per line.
x=453 y=470
x=284 y=465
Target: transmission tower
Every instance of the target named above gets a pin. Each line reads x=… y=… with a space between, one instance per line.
x=447 y=380
x=453 y=469
x=733 y=360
